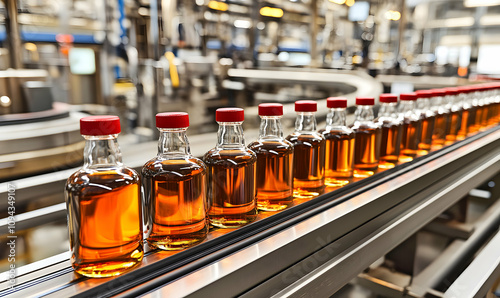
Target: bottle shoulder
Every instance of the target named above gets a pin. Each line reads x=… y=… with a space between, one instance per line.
x=174 y=168
x=281 y=147
x=105 y=178
x=300 y=137
x=229 y=156
x=386 y=121
x=340 y=130
x=365 y=125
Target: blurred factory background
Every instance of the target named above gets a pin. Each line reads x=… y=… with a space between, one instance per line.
x=135 y=58
x=62 y=59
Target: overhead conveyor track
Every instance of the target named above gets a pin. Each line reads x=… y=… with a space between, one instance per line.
x=315 y=247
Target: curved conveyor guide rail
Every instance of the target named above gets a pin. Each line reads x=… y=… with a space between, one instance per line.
x=337 y=234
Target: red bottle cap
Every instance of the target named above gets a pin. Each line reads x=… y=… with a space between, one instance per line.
x=270 y=109
x=424 y=93
x=463 y=89
x=365 y=101
x=306 y=106
x=451 y=91
x=100 y=125
x=336 y=102
x=172 y=120
x=408 y=96
x=438 y=92
x=229 y=115
x=387 y=98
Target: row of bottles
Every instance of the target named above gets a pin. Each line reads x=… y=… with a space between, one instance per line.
x=183 y=194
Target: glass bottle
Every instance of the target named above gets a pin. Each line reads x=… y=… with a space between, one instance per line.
x=484 y=102
x=496 y=104
x=339 y=148
x=368 y=136
x=476 y=103
x=175 y=185
x=309 y=152
x=104 y=206
x=455 y=108
x=463 y=98
x=412 y=127
x=274 y=161
x=231 y=173
x=427 y=119
x=442 y=125
x=392 y=129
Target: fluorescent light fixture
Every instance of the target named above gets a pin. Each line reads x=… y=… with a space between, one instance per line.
x=392 y=15
x=338 y=1
x=243 y=24
x=272 y=12
x=477 y=3
x=216 y=5
x=459 y=22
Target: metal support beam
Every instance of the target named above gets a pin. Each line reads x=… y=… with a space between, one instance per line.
x=13 y=35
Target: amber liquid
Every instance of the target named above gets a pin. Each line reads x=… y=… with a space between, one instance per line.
x=175 y=194
x=478 y=119
x=440 y=129
x=274 y=174
x=484 y=119
x=105 y=221
x=492 y=112
x=464 y=127
x=426 y=133
x=308 y=164
x=471 y=123
x=366 y=150
x=412 y=130
x=390 y=144
x=455 y=124
x=231 y=187
x=339 y=157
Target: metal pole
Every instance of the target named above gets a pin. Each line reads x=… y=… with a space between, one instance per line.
x=402 y=26
x=314 y=33
x=13 y=34
x=154 y=34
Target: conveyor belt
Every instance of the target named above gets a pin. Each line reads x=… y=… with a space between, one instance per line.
x=315 y=247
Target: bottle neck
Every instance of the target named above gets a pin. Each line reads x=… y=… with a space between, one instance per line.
x=406 y=106
x=364 y=114
x=336 y=117
x=173 y=141
x=270 y=127
x=230 y=135
x=101 y=151
x=305 y=122
x=437 y=102
x=423 y=103
x=387 y=109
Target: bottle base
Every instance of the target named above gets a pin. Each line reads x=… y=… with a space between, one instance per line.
x=179 y=241
x=363 y=173
x=232 y=221
x=386 y=165
x=335 y=182
x=274 y=205
x=308 y=192
x=110 y=268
